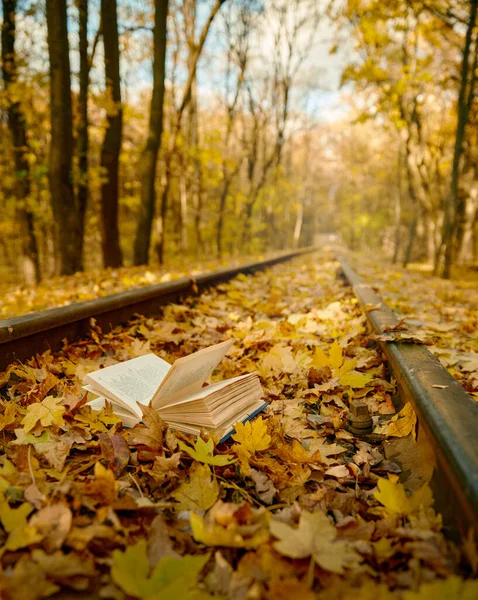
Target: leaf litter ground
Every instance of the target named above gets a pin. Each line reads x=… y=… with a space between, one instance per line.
x=292 y=506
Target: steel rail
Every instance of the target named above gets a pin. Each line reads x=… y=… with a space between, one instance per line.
x=23 y=337
x=446 y=413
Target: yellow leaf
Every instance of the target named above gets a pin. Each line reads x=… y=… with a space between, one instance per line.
x=391 y=494
x=403 y=423
x=355 y=379
x=172 y=578
x=203 y=452
x=13 y=518
x=320 y=358
x=336 y=355
x=200 y=492
x=452 y=588
x=315 y=536
x=231 y=536
x=252 y=436
x=48 y=412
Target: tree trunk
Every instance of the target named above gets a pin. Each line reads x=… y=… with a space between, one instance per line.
x=111 y=148
x=449 y=223
x=30 y=264
x=397 y=211
x=222 y=211
x=82 y=131
x=192 y=64
x=298 y=226
x=64 y=202
x=153 y=142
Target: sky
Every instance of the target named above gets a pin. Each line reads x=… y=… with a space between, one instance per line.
x=321 y=97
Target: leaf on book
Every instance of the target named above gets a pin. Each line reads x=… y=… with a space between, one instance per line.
x=252 y=436
x=315 y=536
x=172 y=578
x=200 y=492
x=49 y=412
x=151 y=433
x=203 y=452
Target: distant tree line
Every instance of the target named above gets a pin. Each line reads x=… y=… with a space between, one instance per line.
x=166 y=172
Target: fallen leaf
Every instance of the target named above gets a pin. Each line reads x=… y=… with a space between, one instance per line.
x=252 y=436
x=264 y=486
x=200 y=492
x=204 y=452
x=315 y=536
x=402 y=424
x=171 y=579
x=48 y=412
x=391 y=494
x=452 y=588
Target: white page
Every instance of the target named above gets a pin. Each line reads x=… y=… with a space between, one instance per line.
x=203 y=393
x=188 y=374
x=132 y=381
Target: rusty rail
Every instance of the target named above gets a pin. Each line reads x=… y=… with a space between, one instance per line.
x=23 y=337
x=447 y=415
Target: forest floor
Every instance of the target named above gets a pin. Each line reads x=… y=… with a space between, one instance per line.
x=16 y=300
x=442 y=311
x=294 y=506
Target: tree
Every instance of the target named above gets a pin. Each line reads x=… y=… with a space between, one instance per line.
x=111 y=148
x=150 y=154
x=30 y=264
x=195 y=49
x=465 y=95
x=64 y=202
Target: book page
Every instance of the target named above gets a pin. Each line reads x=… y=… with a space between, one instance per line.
x=188 y=374
x=131 y=381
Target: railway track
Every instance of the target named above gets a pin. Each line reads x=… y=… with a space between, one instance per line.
x=448 y=417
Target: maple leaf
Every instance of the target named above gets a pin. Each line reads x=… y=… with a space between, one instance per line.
x=203 y=452
x=151 y=433
x=209 y=532
x=264 y=486
x=402 y=424
x=252 y=436
x=54 y=449
x=14 y=518
x=452 y=588
x=343 y=370
x=355 y=379
x=391 y=494
x=14 y=521
x=200 y=492
x=48 y=412
x=315 y=536
x=8 y=416
x=172 y=578
x=103 y=487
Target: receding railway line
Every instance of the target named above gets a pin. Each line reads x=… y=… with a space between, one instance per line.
x=448 y=417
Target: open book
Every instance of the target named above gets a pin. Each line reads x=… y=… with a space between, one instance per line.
x=177 y=391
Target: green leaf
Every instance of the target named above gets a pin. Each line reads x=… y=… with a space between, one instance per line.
x=130 y=568
x=203 y=452
x=172 y=578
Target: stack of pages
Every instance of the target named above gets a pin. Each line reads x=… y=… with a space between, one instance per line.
x=177 y=391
